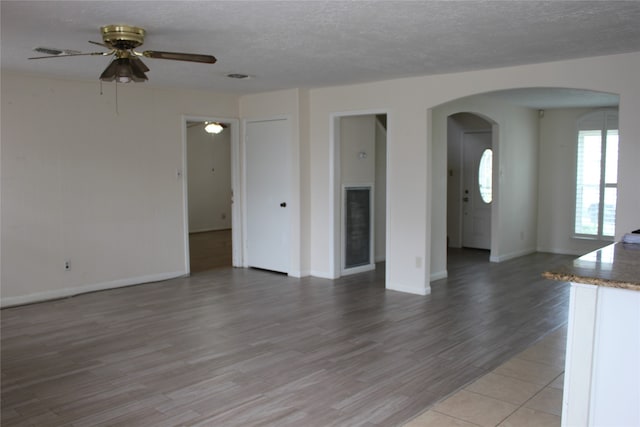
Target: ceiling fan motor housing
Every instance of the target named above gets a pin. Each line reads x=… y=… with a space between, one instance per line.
x=122 y=37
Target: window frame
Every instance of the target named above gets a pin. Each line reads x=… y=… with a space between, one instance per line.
x=606 y=116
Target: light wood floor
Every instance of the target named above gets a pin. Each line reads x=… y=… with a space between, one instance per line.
x=209 y=250
x=232 y=347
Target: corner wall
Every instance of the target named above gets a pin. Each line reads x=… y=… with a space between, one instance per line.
x=99 y=188
x=557 y=184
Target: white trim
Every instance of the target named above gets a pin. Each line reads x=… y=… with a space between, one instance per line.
x=560 y=251
x=237 y=230
x=185 y=197
x=409 y=289
x=496 y=217
x=322 y=274
x=512 y=255
x=298 y=273
x=69 y=292
x=439 y=275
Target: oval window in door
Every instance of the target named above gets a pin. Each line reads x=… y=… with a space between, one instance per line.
x=485 y=176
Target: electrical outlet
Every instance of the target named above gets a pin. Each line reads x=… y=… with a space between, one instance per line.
x=67 y=265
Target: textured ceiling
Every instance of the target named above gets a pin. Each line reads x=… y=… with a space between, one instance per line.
x=285 y=44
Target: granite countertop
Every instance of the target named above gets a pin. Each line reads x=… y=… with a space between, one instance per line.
x=615 y=266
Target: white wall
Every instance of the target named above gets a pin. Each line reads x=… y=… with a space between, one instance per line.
x=557 y=179
x=410 y=149
x=101 y=189
x=209 y=179
x=357 y=135
x=84 y=183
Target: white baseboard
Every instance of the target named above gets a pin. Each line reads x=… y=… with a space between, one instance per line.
x=298 y=273
x=409 y=289
x=322 y=274
x=69 y=292
x=561 y=251
x=438 y=275
x=512 y=255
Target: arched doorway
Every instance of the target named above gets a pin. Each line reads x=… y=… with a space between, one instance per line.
x=533 y=141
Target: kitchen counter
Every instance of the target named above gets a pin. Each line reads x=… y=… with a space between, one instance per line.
x=602 y=374
x=614 y=266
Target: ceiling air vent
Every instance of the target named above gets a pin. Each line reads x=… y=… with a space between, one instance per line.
x=238 y=76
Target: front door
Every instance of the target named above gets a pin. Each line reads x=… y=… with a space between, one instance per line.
x=268 y=194
x=477 y=191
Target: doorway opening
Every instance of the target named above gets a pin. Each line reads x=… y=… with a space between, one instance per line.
x=208 y=176
x=470 y=189
x=360 y=181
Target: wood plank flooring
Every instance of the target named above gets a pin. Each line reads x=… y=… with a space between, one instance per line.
x=209 y=250
x=233 y=347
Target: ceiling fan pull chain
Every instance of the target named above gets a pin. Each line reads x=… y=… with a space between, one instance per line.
x=117 y=98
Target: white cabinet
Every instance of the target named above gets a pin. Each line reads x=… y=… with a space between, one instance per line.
x=602 y=372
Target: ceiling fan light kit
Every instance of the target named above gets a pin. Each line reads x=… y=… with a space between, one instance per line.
x=213 y=127
x=121 y=40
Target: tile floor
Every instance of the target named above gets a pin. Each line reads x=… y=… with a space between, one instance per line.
x=524 y=391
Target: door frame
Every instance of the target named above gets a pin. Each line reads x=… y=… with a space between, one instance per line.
x=237 y=226
x=335 y=189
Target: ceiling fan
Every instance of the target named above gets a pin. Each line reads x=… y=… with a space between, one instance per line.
x=121 y=40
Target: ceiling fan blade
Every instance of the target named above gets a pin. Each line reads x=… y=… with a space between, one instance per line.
x=178 y=56
x=73 y=54
x=99 y=44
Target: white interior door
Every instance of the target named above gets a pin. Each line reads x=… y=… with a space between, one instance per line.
x=268 y=193
x=477 y=191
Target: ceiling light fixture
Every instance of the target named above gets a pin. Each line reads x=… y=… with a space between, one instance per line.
x=213 y=127
x=124 y=70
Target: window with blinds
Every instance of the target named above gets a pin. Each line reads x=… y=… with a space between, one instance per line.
x=597 y=175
